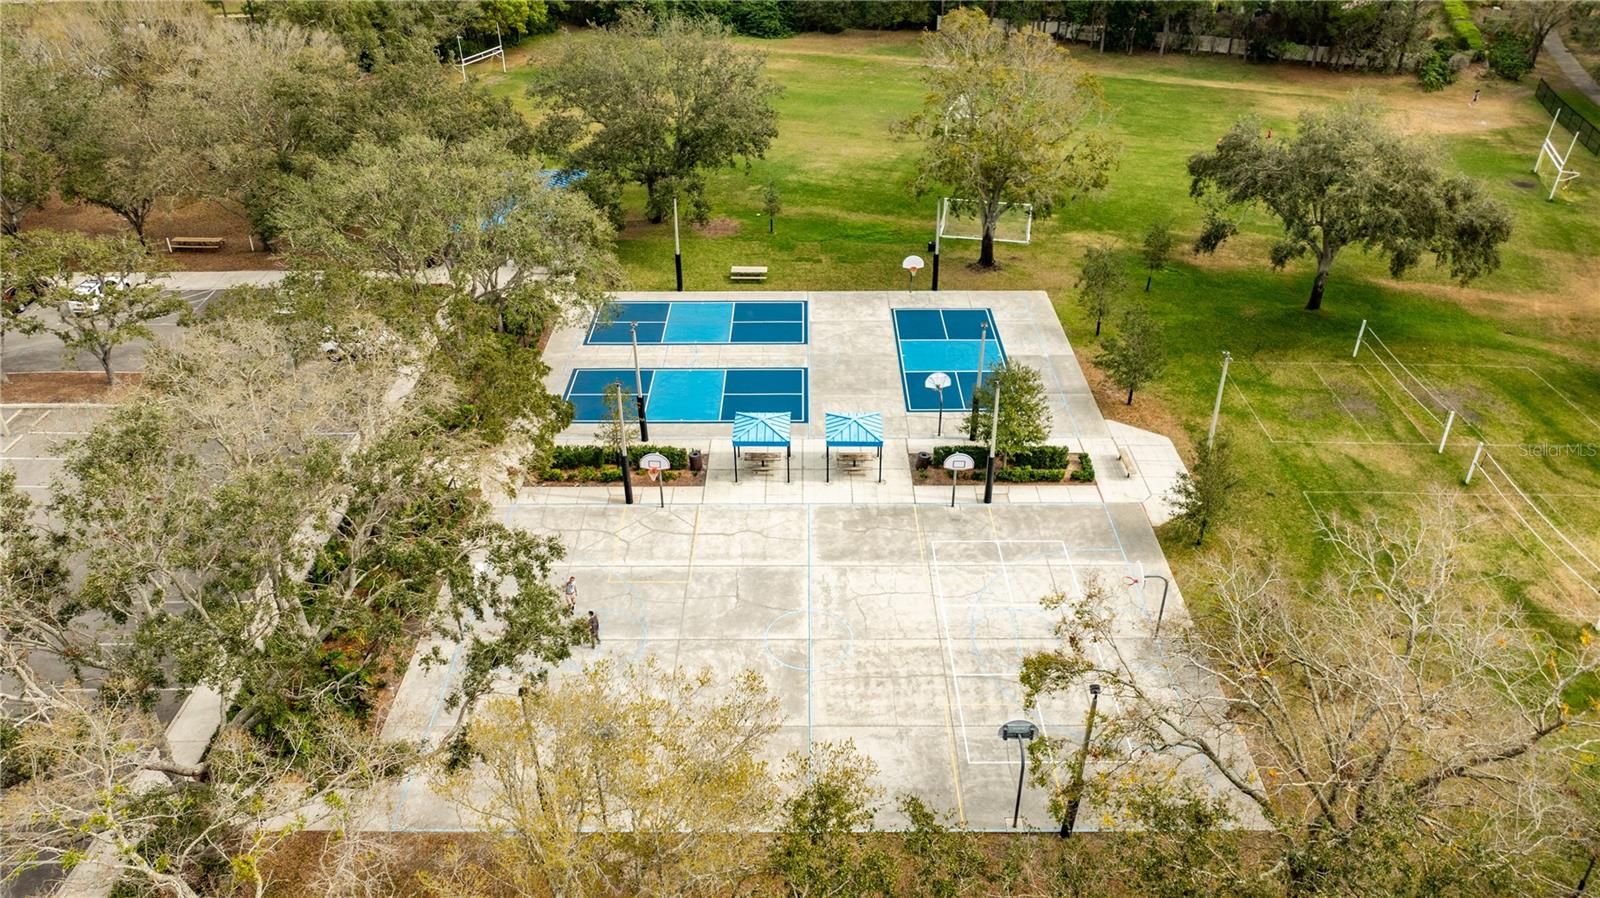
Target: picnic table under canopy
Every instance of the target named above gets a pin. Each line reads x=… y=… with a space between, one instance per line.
x=767 y=430
x=846 y=430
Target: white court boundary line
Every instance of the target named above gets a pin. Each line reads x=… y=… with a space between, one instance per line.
x=1012 y=603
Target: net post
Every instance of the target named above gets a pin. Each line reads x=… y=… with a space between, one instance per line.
x=1477 y=454
x=1448 y=420
x=1359 y=334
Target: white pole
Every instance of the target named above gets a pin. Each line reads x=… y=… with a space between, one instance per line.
x=677 y=248
x=1553 y=120
x=1216 y=408
x=1448 y=420
x=1359 y=334
x=1474 y=466
x=460 y=60
x=983 y=343
x=501 y=43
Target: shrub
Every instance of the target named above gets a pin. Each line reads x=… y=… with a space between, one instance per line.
x=1031 y=457
x=1435 y=72
x=1029 y=475
x=1508 y=54
x=565 y=458
x=762 y=18
x=1461 y=23
x=1084 y=474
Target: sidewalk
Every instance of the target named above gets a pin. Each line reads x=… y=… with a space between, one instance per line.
x=1571 y=67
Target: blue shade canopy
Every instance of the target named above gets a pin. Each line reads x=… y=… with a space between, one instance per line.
x=561 y=178
x=853 y=429
x=761 y=429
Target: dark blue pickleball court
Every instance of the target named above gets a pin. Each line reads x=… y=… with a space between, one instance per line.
x=685 y=322
x=693 y=395
x=947 y=340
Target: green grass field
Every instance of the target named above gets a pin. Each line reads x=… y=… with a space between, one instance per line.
x=849 y=219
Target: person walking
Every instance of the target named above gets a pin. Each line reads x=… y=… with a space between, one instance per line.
x=1475 y=93
x=594 y=630
x=571 y=592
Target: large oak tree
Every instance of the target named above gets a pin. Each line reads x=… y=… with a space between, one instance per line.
x=1008 y=118
x=1348 y=178
x=657 y=102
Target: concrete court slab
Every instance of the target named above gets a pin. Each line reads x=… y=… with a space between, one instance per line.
x=899 y=627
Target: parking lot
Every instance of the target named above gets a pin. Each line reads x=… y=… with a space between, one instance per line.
x=43 y=352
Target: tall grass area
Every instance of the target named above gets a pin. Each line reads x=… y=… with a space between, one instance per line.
x=849 y=219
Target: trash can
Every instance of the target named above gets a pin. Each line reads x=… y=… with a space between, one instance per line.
x=697 y=462
x=924 y=460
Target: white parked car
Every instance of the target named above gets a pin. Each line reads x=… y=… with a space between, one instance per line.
x=92 y=289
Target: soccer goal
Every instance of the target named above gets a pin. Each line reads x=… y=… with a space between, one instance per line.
x=1548 y=150
x=961 y=219
x=499 y=49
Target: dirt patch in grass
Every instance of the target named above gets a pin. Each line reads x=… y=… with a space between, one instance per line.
x=1147 y=412
x=718 y=227
x=201 y=218
x=67 y=386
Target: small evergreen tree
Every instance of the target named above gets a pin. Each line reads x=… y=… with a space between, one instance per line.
x=1098 y=283
x=772 y=204
x=1157 y=247
x=1205 y=491
x=620 y=428
x=1024 y=409
x=1135 y=356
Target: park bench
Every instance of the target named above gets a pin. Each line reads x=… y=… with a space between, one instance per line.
x=1126 y=458
x=747 y=273
x=194 y=244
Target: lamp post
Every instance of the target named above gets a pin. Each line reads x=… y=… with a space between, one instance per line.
x=677 y=247
x=622 y=437
x=1076 y=794
x=1024 y=732
x=1216 y=408
x=994 y=433
x=983 y=343
x=638 y=383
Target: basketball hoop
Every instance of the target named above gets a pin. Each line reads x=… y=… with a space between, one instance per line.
x=654 y=463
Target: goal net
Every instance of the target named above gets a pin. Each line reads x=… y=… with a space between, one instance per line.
x=961 y=219
x=1550 y=151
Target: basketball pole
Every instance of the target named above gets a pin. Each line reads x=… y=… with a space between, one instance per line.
x=994 y=433
x=638 y=383
x=677 y=246
x=622 y=434
x=983 y=343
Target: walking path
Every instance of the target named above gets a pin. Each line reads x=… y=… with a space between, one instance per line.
x=1569 y=65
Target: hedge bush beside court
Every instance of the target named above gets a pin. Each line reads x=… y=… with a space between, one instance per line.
x=566 y=458
x=1033 y=457
x=1461 y=21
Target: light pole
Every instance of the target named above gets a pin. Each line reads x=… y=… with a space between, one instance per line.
x=638 y=383
x=1024 y=732
x=983 y=343
x=622 y=437
x=677 y=247
x=1216 y=407
x=1076 y=794
x=994 y=433
x=933 y=245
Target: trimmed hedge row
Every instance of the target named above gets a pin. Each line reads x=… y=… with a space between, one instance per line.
x=1035 y=457
x=1029 y=475
x=594 y=474
x=566 y=458
x=1461 y=22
